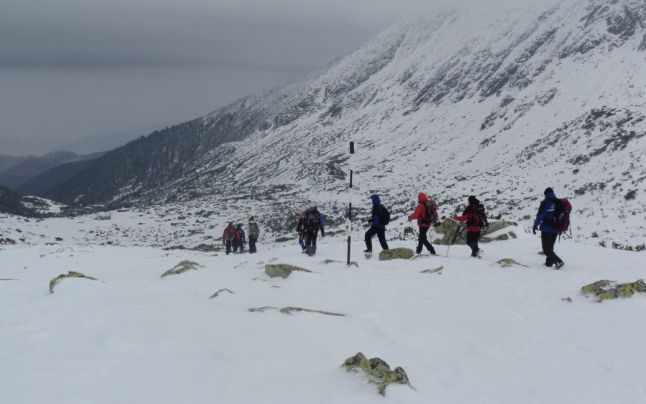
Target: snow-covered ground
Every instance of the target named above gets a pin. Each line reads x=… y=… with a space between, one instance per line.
x=476 y=333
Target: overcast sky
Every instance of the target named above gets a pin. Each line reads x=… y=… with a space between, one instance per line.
x=83 y=74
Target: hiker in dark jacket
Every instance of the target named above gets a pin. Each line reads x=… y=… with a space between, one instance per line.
x=376 y=226
x=228 y=237
x=420 y=214
x=472 y=218
x=254 y=233
x=309 y=224
x=546 y=222
x=240 y=240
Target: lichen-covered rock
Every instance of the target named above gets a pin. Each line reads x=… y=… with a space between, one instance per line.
x=509 y=262
x=293 y=309
x=70 y=274
x=448 y=228
x=605 y=289
x=282 y=270
x=377 y=370
x=437 y=270
x=181 y=267
x=396 y=253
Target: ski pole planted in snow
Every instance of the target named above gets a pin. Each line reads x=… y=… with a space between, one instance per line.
x=455 y=237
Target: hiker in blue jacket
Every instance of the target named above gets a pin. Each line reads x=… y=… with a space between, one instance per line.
x=376 y=226
x=546 y=222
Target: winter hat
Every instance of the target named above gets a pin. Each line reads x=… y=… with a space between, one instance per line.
x=250 y=218
x=421 y=197
x=230 y=223
x=472 y=200
x=548 y=190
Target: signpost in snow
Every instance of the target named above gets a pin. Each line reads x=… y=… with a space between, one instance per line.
x=350 y=204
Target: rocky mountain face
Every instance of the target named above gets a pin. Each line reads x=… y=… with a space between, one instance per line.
x=500 y=103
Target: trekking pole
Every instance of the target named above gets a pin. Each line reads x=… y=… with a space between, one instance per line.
x=455 y=237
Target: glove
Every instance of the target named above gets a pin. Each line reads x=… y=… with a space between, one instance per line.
x=534 y=229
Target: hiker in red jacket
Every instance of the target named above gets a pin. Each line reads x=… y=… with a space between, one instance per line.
x=475 y=217
x=424 y=220
x=228 y=236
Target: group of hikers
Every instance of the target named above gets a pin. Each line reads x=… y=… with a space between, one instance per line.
x=552 y=220
x=234 y=238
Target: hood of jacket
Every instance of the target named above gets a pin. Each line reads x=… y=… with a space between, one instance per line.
x=422 y=198
x=375 y=199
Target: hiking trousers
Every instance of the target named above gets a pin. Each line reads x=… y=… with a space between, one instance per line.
x=310 y=241
x=548 y=240
x=252 y=244
x=228 y=246
x=422 y=241
x=381 y=235
x=472 y=241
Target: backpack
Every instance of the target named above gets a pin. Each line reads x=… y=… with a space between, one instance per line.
x=311 y=218
x=562 y=210
x=431 y=213
x=384 y=215
x=479 y=216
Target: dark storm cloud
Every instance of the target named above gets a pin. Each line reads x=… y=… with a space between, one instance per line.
x=80 y=68
x=220 y=34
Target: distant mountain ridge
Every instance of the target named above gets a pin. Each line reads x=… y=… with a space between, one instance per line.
x=496 y=102
x=21 y=170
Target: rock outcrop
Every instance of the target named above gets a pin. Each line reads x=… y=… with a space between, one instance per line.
x=70 y=274
x=377 y=371
x=605 y=289
x=181 y=268
x=396 y=253
x=282 y=270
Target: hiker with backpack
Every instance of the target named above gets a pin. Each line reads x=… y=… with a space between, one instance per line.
x=553 y=219
x=426 y=214
x=240 y=240
x=476 y=218
x=254 y=232
x=228 y=237
x=309 y=223
x=378 y=221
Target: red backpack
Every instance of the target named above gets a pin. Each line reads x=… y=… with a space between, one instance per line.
x=430 y=215
x=562 y=210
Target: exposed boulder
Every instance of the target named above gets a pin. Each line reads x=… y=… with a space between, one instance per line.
x=449 y=227
x=182 y=267
x=377 y=370
x=70 y=274
x=216 y=294
x=282 y=270
x=605 y=289
x=510 y=262
x=437 y=270
x=293 y=309
x=396 y=253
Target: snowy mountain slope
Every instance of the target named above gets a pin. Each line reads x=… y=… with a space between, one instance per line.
x=476 y=333
x=497 y=102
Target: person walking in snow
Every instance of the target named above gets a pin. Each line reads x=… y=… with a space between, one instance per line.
x=424 y=220
x=228 y=237
x=254 y=232
x=310 y=223
x=546 y=222
x=240 y=240
x=377 y=224
x=475 y=218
